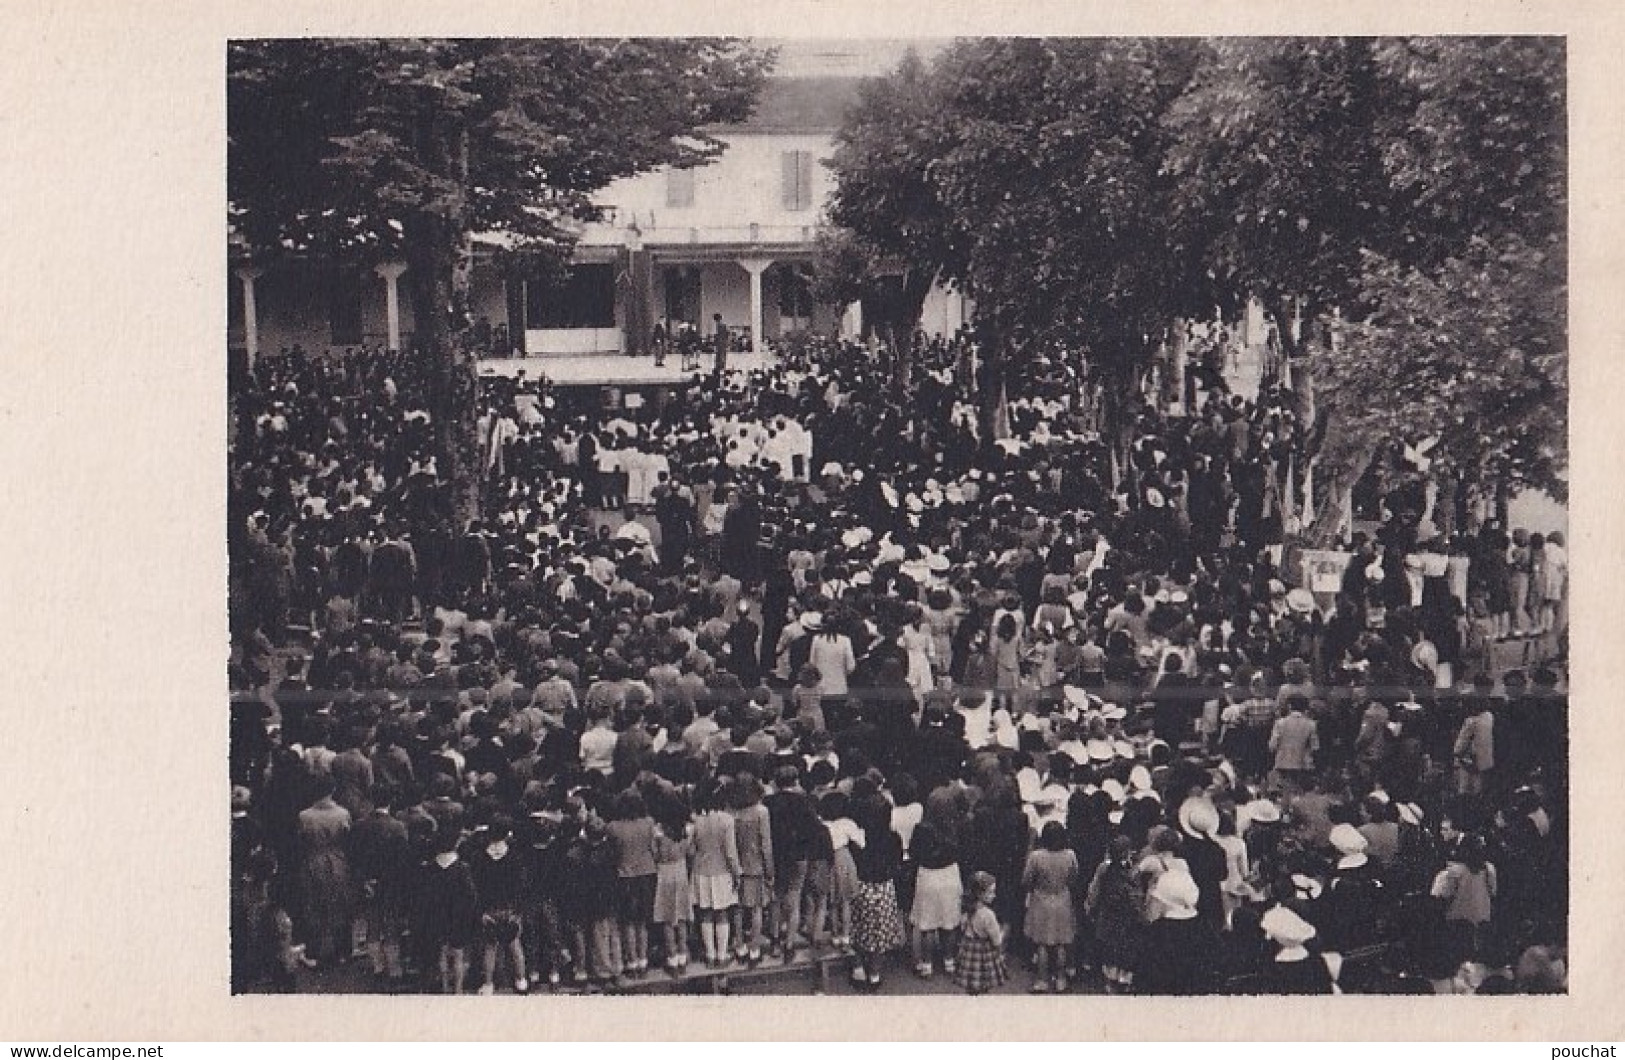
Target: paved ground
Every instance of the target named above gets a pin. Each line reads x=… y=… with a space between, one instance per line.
x=771 y=978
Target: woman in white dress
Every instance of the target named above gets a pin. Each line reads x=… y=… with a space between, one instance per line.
x=918 y=642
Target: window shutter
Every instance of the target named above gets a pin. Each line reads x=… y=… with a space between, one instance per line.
x=788 y=180
x=679 y=188
x=804 y=179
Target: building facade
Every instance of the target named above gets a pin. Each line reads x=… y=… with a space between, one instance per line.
x=735 y=238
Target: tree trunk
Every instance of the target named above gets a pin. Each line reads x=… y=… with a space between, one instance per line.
x=916 y=287
x=1343 y=462
x=438 y=274
x=1177 y=361
x=989 y=386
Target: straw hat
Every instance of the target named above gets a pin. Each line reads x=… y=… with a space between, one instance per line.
x=1348 y=842
x=1198 y=817
x=1286 y=927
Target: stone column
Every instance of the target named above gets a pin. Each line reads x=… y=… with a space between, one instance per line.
x=391 y=272
x=251 y=322
x=755 y=266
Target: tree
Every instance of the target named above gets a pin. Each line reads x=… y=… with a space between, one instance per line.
x=897 y=237
x=1055 y=181
x=354 y=150
x=1363 y=186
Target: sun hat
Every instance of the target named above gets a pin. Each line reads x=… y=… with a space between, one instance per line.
x=1262 y=811
x=1100 y=751
x=1286 y=927
x=1347 y=841
x=1198 y=817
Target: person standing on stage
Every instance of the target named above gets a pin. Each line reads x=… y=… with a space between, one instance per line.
x=719 y=343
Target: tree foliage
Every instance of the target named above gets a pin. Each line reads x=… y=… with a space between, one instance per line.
x=893 y=236
x=1396 y=205
x=1408 y=193
x=361 y=147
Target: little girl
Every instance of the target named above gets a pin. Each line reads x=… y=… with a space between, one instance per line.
x=843 y=833
x=980 y=965
x=674 y=899
x=807 y=700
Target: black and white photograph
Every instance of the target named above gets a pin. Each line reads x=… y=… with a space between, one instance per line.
x=889 y=516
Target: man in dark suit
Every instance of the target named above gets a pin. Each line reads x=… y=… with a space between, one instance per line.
x=719 y=344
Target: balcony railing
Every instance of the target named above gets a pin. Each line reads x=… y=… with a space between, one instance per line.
x=683 y=235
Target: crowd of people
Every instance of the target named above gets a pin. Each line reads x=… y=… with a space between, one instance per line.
x=798 y=659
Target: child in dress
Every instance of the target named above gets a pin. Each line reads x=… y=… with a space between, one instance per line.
x=843 y=834
x=674 y=899
x=633 y=833
x=980 y=965
x=754 y=837
x=715 y=877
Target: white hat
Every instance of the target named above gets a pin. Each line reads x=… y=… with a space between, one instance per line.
x=832 y=468
x=1178 y=893
x=937 y=564
x=1307 y=886
x=1153 y=497
x=1300 y=600
x=1198 y=817
x=1114 y=787
x=863 y=577
x=1277 y=587
x=1113 y=712
x=1074 y=696
x=1178 y=596
x=1425 y=655
x=1124 y=749
x=1139 y=778
x=1100 y=751
x=811 y=620
x=1346 y=839
x=1262 y=811
x=1411 y=814
x=1286 y=927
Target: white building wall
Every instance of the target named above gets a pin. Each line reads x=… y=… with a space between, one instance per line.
x=743 y=187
